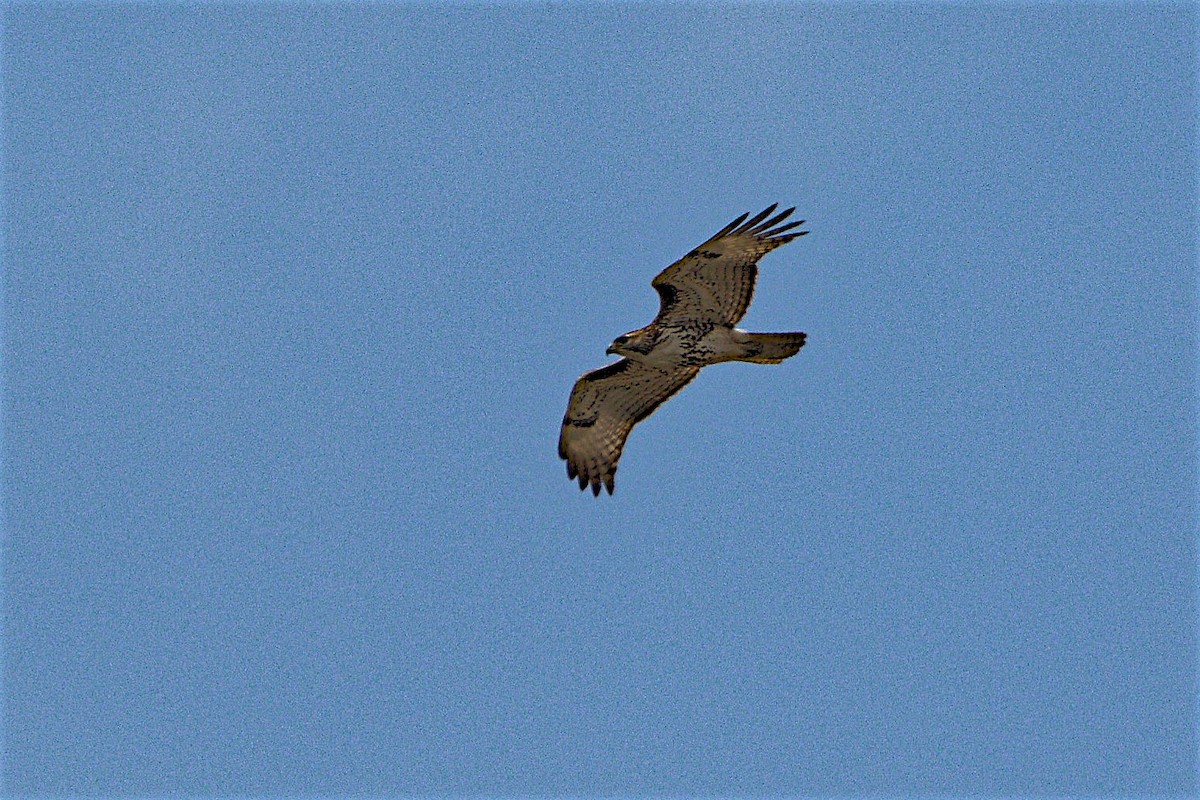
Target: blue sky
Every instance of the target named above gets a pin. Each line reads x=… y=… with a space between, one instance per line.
x=293 y=300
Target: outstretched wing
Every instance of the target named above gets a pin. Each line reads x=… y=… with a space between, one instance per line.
x=715 y=282
x=605 y=405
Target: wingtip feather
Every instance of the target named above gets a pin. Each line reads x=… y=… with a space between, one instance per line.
x=757 y=218
x=759 y=226
x=782 y=228
x=729 y=228
x=773 y=221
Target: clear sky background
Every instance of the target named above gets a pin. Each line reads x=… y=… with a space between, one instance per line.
x=293 y=300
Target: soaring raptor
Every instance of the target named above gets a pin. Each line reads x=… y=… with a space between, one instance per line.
x=702 y=295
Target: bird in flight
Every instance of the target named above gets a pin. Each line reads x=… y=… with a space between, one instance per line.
x=702 y=296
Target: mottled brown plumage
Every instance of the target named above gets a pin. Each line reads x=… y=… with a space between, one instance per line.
x=702 y=296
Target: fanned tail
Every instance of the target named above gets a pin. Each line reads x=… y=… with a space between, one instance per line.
x=771 y=348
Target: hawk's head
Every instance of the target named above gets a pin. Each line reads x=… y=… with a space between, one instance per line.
x=635 y=344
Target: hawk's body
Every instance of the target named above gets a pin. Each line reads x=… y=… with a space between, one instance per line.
x=703 y=295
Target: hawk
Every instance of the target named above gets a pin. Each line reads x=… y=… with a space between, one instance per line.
x=702 y=296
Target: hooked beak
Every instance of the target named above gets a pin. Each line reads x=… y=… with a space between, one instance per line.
x=611 y=351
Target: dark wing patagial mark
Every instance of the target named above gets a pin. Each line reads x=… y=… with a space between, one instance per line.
x=608 y=371
x=715 y=281
x=667 y=295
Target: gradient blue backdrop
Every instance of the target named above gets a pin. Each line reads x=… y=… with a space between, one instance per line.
x=293 y=299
